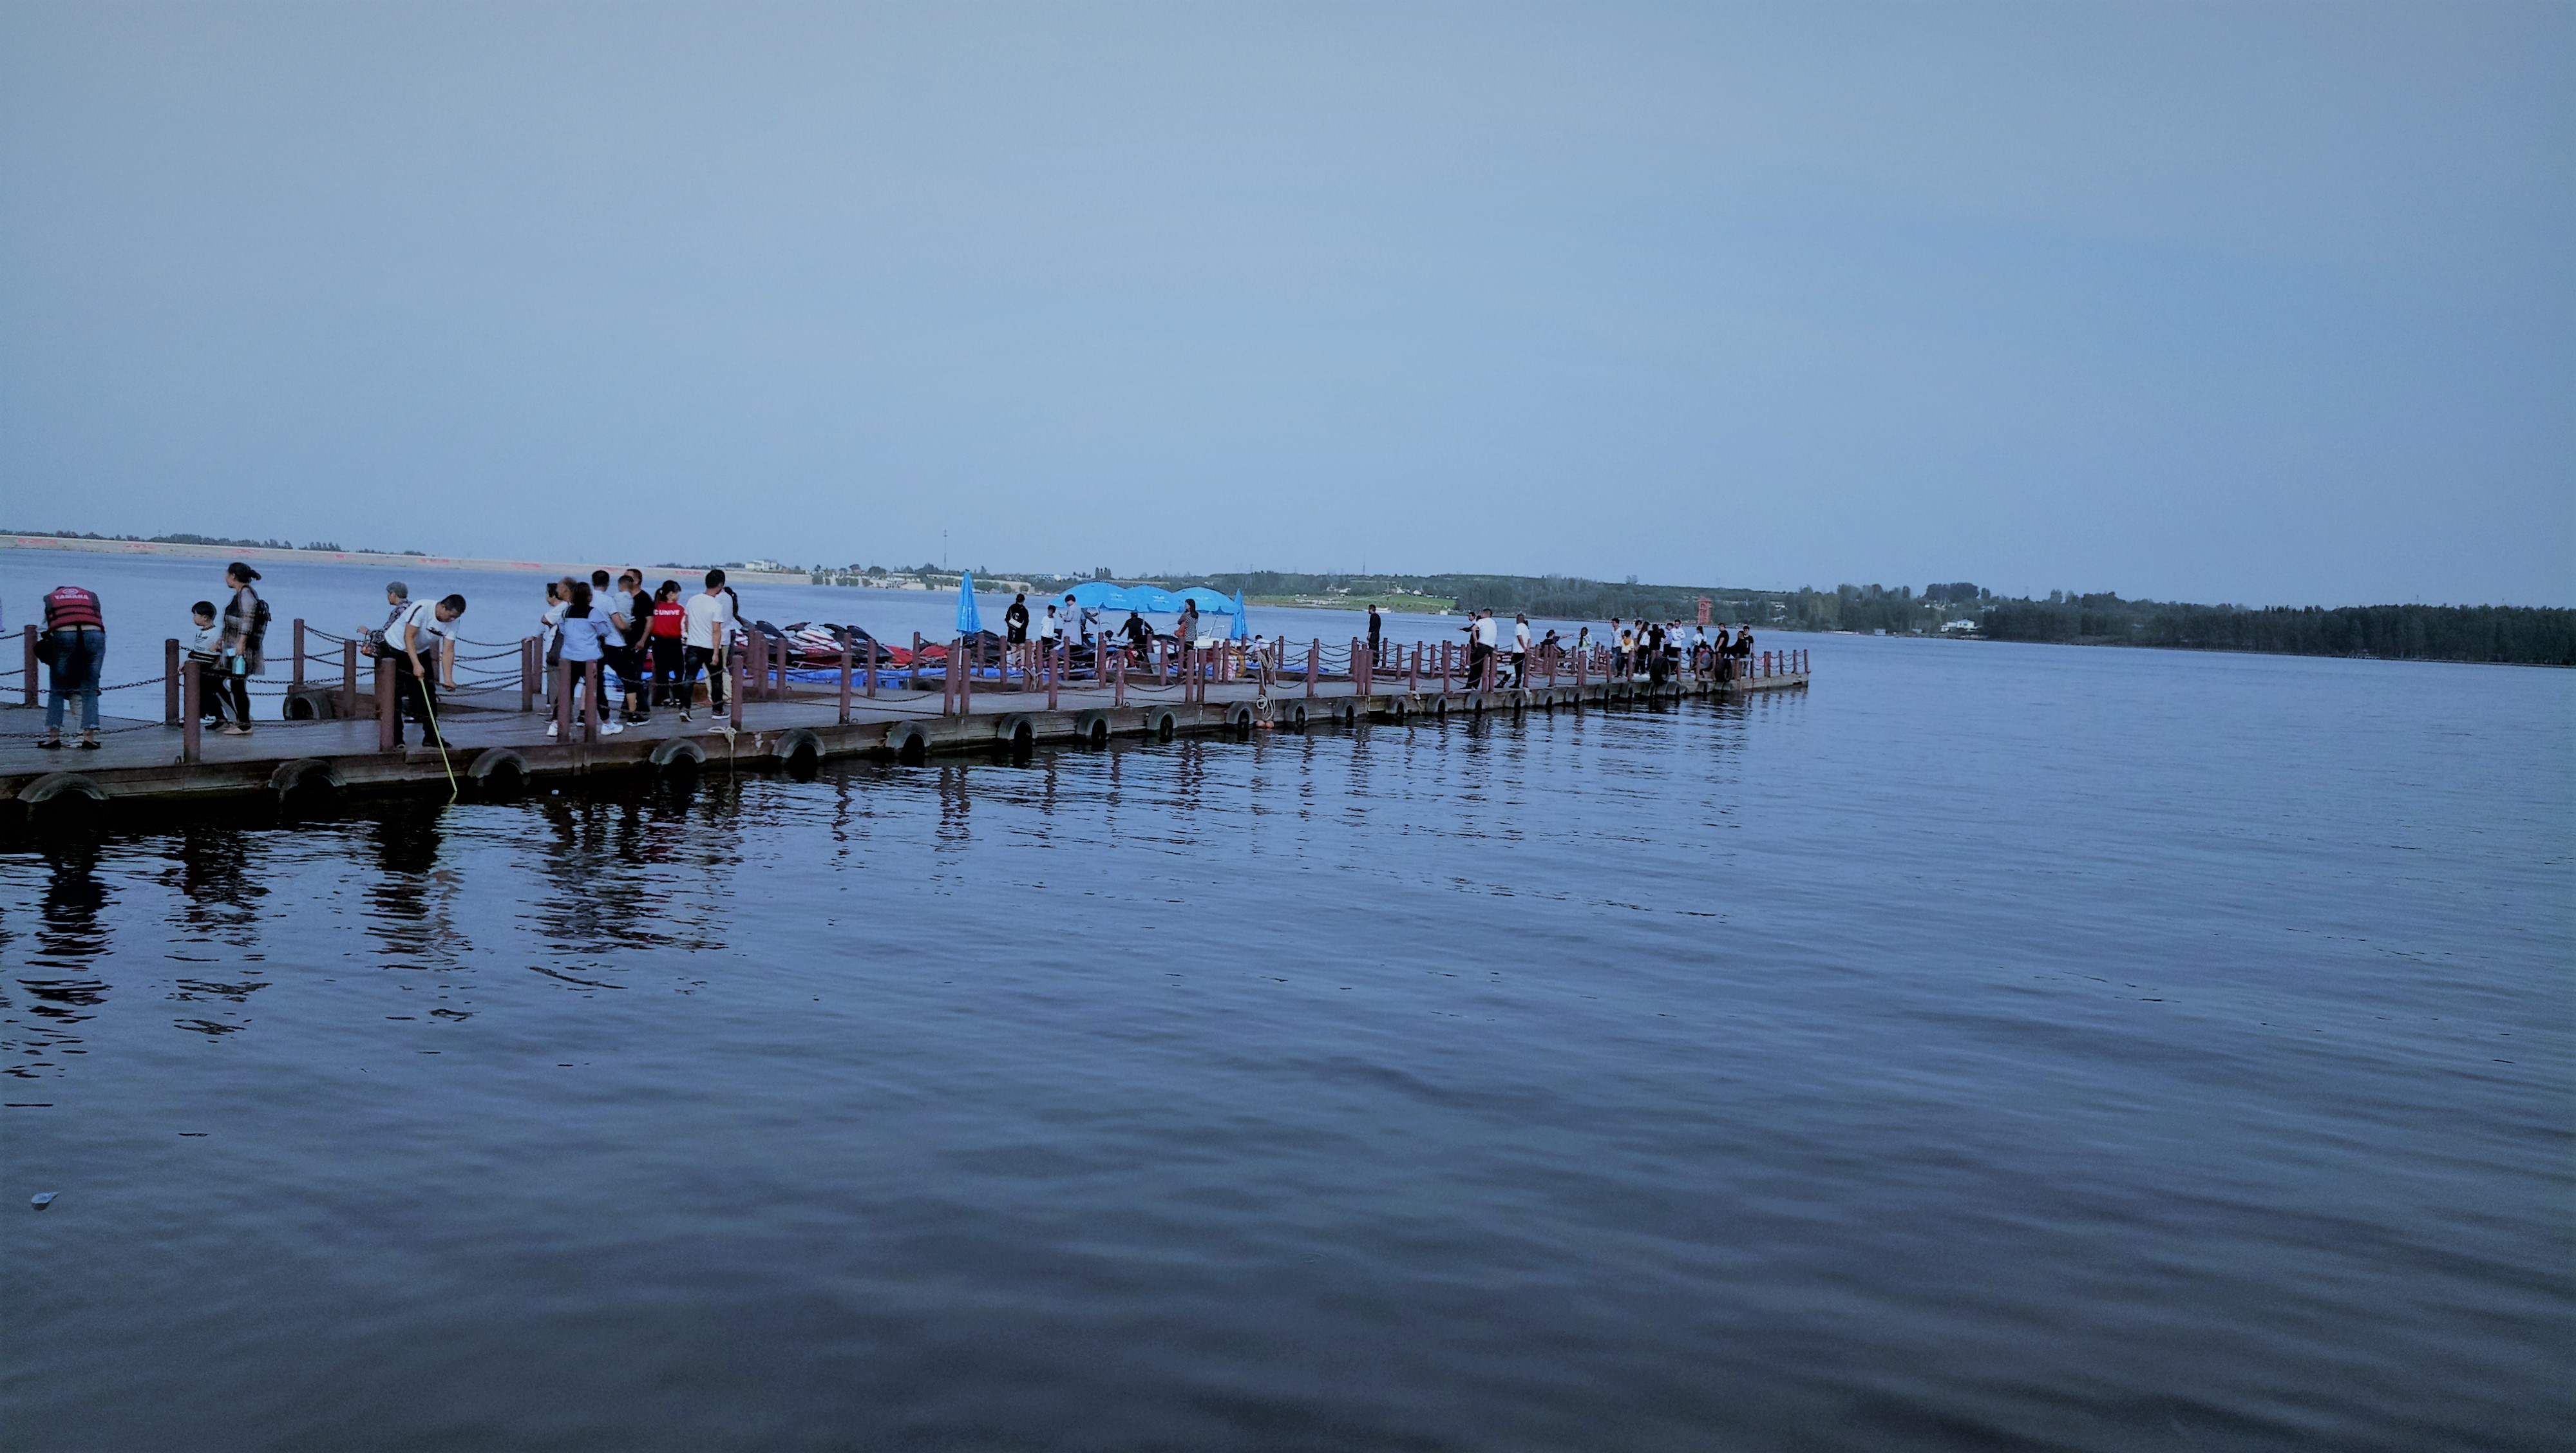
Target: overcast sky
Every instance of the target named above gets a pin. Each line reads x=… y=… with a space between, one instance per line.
x=2265 y=303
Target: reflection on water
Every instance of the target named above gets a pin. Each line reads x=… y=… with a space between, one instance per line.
x=1752 y=1075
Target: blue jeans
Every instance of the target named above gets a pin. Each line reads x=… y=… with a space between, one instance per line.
x=79 y=652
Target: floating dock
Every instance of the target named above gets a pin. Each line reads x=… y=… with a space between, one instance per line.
x=498 y=745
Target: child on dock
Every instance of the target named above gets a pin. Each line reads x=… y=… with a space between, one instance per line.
x=205 y=647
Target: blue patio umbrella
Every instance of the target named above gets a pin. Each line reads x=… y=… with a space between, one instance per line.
x=1241 y=632
x=970 y=622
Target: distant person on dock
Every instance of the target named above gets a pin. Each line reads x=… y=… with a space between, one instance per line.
x=632 y=616
x=244 y=646
x=670 y=624
x=1620 y=654
x=1483 y=635
x=558 y=600
x=709 y=620
x=428 y=627
x=1050 y=630
x=1187 y=631
x=1376 y=637
x=1140 y=636
x=1015 y=620
x=586 y=640
x=73 y=648
x=205 y=647
x=1520 y=651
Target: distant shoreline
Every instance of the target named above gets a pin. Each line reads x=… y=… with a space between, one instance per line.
x=362 y=557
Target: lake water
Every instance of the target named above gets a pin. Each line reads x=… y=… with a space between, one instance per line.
x=1996 y=1046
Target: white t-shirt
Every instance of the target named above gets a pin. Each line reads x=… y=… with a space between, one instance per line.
x=708 y=621
x=1487 y=632
x=1520 y=635
x=1049 y=625
x=419 y=629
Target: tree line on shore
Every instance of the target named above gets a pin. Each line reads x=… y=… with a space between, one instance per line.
x=2522 y=635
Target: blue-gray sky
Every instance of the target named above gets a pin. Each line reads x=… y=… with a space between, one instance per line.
x=2269 y=303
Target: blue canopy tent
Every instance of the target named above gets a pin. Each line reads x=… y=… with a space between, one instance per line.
x=1099 y=595
x=1210 y=602
x=1241 y=631
x=1153 y=600
x=970 y=621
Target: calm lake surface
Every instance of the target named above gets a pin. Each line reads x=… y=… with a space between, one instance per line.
x=1997 y=1046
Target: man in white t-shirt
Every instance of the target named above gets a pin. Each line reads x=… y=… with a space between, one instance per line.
x=1482 y=637
x=426 y=630
x=705 y=631
x=1520 y=651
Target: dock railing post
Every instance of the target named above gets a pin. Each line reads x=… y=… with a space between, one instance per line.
x=875 y=658
x=386 y=707
x=190 y=685
x=590 y=684
x=348 y=679
x=738 y=670
x=563 y=700
x=1314 y=658
x=1055 y=673
x=1118 y=681
x=528 y=665
x=170 y=691
x=297 y=682
x=29 y=679
x=845 y=677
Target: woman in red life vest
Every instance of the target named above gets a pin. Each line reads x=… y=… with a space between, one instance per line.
x=74 y=647
x=669 y=620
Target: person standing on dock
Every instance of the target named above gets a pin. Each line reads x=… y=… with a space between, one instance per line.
x=1520 y=651
x=245 y=644
x=73 y=649
x=586 y=639
x=1483 y=636
x=1015 y=620
x=550 y=625
x=631 y=615
x=1377 y=637
x=670 y=625
x=708 y=623
x=429 y=626
x=205 y=647
x=1621 y=643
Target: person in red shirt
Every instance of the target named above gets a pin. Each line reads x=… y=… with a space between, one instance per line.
x=74 y=648
x=664 y=635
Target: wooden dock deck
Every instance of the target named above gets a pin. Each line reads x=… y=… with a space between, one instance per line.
x=502 y=752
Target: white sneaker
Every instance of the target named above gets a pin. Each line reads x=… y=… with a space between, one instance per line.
x=611 y=729
x=550 y=727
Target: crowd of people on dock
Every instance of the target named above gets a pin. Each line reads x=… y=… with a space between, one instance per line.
x=652 y=647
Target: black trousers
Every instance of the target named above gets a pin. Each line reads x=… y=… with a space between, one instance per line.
x=666 y=673
x=415 y=693
x=1477 y=655
x=694 y=659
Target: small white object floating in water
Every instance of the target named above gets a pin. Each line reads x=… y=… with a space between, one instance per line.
x=41 y=1200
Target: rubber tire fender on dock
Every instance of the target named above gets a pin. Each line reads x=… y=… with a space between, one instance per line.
x=1397 y=708
x=1006 y=732
x=1345 y=711
x=498 y=769
x=54 y=784
x=1293 y=716
x=303 y=775
x=666 y=752
x=909 y=743
x=1161 y=722
x=798 y=742
x=1091 y=729
x=1239 y=716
